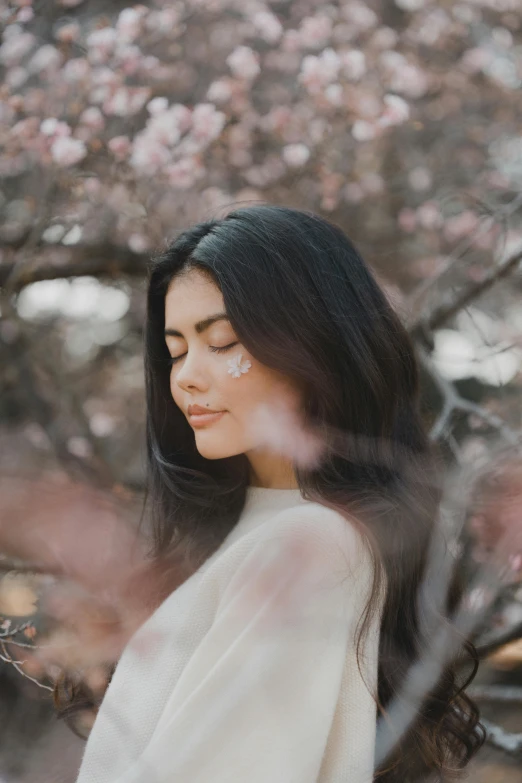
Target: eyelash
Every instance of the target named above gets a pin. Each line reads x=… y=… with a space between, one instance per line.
x=174 y=360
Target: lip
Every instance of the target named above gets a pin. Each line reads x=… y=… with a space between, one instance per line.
x=202 y=419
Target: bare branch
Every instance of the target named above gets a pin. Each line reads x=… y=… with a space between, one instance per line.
x=445 y=311
x=501 y=739
x=500 y=693
x=57 y=261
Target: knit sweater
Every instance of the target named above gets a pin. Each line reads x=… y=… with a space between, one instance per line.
x=248 y=670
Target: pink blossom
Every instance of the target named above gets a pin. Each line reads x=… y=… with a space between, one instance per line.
x=184 y=173
x=460 y=226
x=362 y=130
x=68 y=32
x=244 y=63
x=46 y=58
x=474 y=60
x=317 y=72
x=407 y=220
x=207 y=122
x=53 y=127
x=429 y=215
x=67 y=151
x=372 y=183
x=354 y=64
x=353 y=193
x=76 y=69
x=296 y=155
x=101 y=44
x=120 y=146
x=360 y=15
x=16 y=76
x=335 y=94
x=148 y=155
x=315 y=31
x=138 y=243
x=93 y=118
x=24 y=15
x=129 y=23
x=268 y=26
x=163 y=128
x=128 y=59
x=396 y=111
x=157 y=105
x=291 y=41
x=163 y=21
x=126 y=101
x=384 y=38
x=25 y=129
x=15 y=47
x=220 y=91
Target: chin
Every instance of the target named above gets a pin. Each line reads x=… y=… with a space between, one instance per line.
x=215 y=450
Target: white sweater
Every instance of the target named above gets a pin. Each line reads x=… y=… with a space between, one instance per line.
x=247 y=671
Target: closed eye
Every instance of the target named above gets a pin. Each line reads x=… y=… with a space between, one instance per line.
x=214 y=349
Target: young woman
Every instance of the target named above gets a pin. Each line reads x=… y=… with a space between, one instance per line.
x=294 y=632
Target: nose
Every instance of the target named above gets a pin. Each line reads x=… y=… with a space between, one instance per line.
x=191 y=374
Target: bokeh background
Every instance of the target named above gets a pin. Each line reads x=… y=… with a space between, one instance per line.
x=120 y=125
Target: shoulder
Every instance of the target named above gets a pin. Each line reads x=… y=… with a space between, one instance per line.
x=307 y=540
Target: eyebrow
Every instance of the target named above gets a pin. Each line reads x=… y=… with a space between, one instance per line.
x=201 y=326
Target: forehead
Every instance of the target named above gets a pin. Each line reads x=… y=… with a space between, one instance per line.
x=190 y=297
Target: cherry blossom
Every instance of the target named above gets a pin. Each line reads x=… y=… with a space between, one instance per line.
x=67 y=151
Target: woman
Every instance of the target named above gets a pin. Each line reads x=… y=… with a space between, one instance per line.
x=300 y=619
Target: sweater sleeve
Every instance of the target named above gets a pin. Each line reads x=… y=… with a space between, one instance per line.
x=257 y=699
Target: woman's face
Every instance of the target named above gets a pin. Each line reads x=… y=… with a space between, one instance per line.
x=200 y=374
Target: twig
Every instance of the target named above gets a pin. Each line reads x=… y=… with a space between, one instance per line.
x=501 y=739
x=18 y=664
x=501 y=693
x=444 y=312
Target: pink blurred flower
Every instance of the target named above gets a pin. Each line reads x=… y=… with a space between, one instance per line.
x=15 y=47
x=353 y=193
x=318 y=71
x=16 y=76
x=244 y=63
x=126 y=101
x=407 y=220
x=157 y=105
x=296 y=155
x=24 y=15
x=220 y=91
x=364 y=131
x=46 y=58
x=93 y=118
x=148 y=155
x=315 y=31
x=354 y=64
x=76 y=69
x=68 y=32
x=53 y=127
x=460 y=226
x=67 y=151
x=184 y=173
x=129 y=22
x=396 y=111
x=138 y=243
x=207 y=122
x=360 y=15
x=120 y=146
x=429 y=215
x=128 y=59
x=268 y=26
x=101 y=44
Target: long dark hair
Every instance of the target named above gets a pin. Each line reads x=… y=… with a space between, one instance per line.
x=302 y=301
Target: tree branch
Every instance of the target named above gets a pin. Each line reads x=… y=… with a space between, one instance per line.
x=58 y=261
